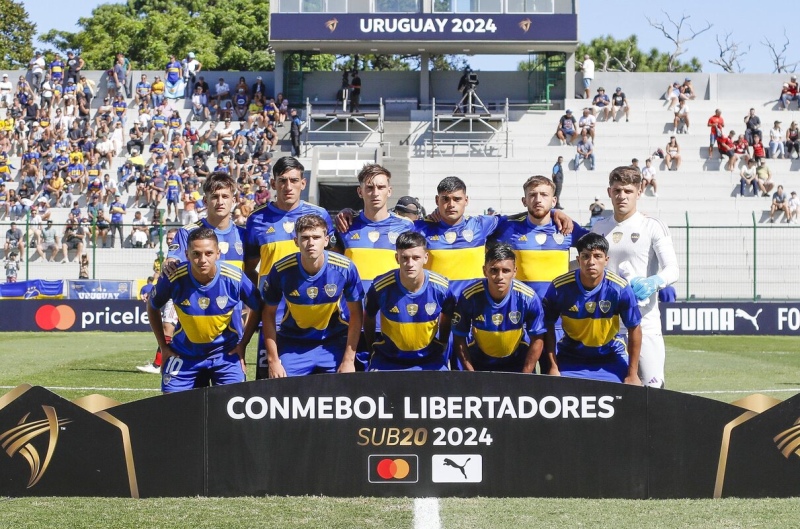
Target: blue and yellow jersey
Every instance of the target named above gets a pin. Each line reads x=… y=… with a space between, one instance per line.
x=4 y=162
x=209 y=316
x=457 y=252
x=542 y=252
x=174 y=184
x=231 y=245
x=158 y=148
x=94 y=170
x=142 y=88
x=316 y=306
x=175 y=122
x=371 y=245
x=70 y=89
x=173 y=72
x=498 y=328
x=56 y=70
x=409 y=320
x=75 y=170
x=591 y=319
x=44 y=122
x=269 y=234
x=159 y=121
x=176 y=149
x=58 y=88
x=120 y=107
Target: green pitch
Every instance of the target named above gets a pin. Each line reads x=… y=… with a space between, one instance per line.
x=74 y=365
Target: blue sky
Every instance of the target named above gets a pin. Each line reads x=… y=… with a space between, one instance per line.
x=619 y=18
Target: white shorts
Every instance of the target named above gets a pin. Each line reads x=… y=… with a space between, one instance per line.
x=168 y=314
x=189 y=217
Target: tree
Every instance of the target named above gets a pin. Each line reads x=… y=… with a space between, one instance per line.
x=16 y=35
x=779 y=56
x=230 y=35
x=729 y=55
x=674 y=35
x=612 y=55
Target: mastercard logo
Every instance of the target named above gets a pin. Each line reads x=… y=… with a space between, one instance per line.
x=55 y=317
x=393 y=469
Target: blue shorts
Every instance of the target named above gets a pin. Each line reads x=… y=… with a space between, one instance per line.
x=300 y=357
x=587 y=81
x=512 y=363
x=184 y=372
x=435 y=362
x=614 y=368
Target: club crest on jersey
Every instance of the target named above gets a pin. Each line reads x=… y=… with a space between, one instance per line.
x=312 y=292
x=204 y=302
x=604 y=305
x=515 y=316
x=456 y=318
x=540 y=238
x=374 y=236
x=450 y=237
x=239 y=247
x=222 y=301
x=330 y=289
x=288 y=226
x=224 y=247
x=393 y=235
x=497 y=319
x=173 y=247
x=412 y=309
x=634 y=237
x=558 y=237
x=430 y=308
x=590 y=306
x=468 y=235
x=616 y=236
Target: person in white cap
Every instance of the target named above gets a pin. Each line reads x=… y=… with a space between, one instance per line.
x=6 y=92
x=190 y=71
x=259 y=87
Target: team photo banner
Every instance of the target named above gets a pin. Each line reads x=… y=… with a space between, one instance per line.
x=733 y=318
x=73 y=315
x=423 y=27
x=406 y=434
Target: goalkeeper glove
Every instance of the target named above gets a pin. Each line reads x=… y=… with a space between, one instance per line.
x=644 y=287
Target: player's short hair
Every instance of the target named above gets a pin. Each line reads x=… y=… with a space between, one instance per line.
x=411 y=239
x=451 y=184
x=625 y=175
x=592 y=242
x=202 y=234
x=172 y=231
x=370 y=171
x=500 y=251
x=219 y=180
x=536 y=181
x=310 y=222
x=286 y=164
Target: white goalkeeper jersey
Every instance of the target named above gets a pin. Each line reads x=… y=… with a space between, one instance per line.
x=641 y=246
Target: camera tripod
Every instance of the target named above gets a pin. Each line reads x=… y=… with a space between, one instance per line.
x=472 y=102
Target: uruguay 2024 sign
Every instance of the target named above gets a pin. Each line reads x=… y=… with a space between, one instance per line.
x=403 y=434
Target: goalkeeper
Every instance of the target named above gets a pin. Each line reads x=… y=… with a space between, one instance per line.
x=641 y=251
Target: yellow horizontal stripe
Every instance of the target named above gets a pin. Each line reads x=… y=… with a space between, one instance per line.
x=371 y=262
x=457 y=264
x=591 y=332
x=238 y=264
x=312 y=316
x=497 y=344
x=205 y=328
x=409 y=336
x=273 y=252
x=541 y=265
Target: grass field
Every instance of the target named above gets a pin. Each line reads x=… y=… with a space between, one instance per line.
x=74 y=365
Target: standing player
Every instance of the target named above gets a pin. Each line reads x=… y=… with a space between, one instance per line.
x=319 y=332
x=270 y=232
x=640 y=250
x=591 y=301
x=210 y=344
x=416 y=308
x=501 y=312
x=220 y=193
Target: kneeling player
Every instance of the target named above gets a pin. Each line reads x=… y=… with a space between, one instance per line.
x=209 y=343
x=415 y=305
x=591 y=302
x=320 y=330
x=500 y=311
